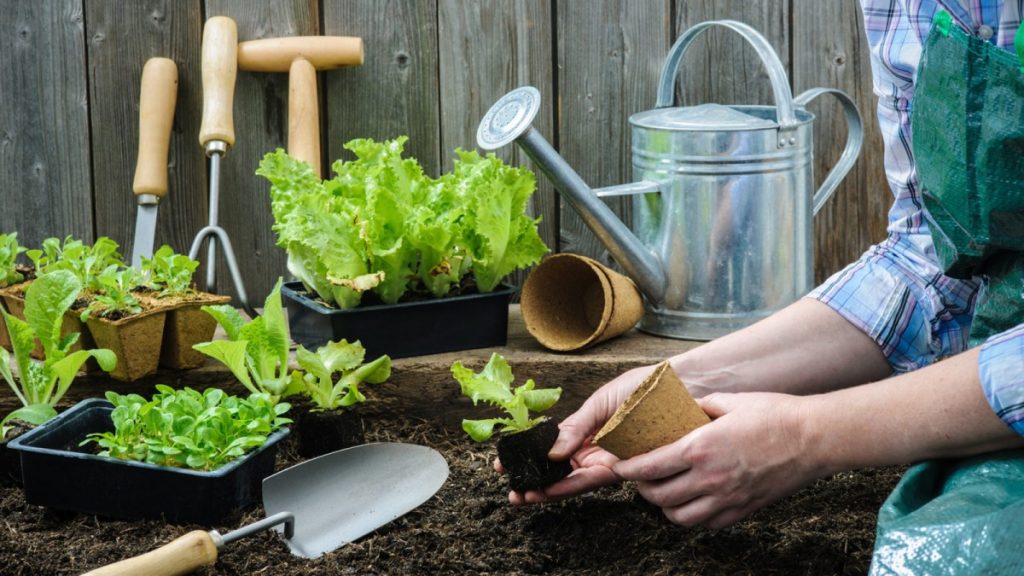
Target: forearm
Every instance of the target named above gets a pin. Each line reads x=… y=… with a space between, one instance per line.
x=936 y=412
x=804 y=349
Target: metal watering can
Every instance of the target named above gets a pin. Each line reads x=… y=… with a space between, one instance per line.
x=722 y=205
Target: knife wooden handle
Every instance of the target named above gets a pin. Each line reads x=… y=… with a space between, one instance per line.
x=277 y=54
x=156 y=116
x=180 y=556
x=220 y=67
x=304 y=114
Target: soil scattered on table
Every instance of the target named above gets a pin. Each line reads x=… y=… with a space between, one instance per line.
x=469 y=528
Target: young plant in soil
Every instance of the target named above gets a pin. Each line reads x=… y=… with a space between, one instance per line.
x=256 y=350
x=188 y=429
x=331 y=381
x=525 y=441
x=40 y=385
x=84 y=261
x=169 y=274
x=113 y=294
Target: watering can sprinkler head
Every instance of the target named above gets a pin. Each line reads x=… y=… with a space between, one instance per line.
x=510 y=119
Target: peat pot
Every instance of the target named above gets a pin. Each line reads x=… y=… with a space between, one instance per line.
x=404 y=329
x=722 y=203
x=56 y=473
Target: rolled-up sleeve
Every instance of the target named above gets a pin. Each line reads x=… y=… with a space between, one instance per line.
x=898 y=297
x=1001 y=369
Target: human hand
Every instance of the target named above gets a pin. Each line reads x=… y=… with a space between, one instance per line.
x=592 y=465
x=754 y=452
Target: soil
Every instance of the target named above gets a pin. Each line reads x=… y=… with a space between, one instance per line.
x=524 y=456
x=318 y=433
x=468 y=527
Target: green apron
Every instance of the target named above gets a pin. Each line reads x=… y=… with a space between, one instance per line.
x=966 y=516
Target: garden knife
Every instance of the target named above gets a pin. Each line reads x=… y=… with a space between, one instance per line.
x=156 y=115
x=323 y=504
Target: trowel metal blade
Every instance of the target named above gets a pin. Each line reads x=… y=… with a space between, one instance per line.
x=339 y=497
x=145 y=232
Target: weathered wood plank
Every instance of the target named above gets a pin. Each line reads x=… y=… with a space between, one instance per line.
x=487 y=49
x=261 y=126
x=720 y=67
x=836 y=56
x=609 y=55
x=121 y=37
x=395 y=91
x=45 y=171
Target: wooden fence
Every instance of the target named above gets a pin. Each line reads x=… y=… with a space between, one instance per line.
x=69 y=89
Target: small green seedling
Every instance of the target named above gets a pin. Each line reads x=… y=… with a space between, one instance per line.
x=345 y=360
x=86 y=262
x=41 y=385
x=256 y=350
x=493 y=385
x=188 y=429
x=9 y=251
x=168 y=273
x=114 y=296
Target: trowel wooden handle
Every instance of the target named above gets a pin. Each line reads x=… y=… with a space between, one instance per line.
x=220 y=67
x=180 y=556
x=304 y=114
x=277 y=54
x=156 y=116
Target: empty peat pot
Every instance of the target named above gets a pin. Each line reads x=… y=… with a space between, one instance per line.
x=570 y=302
x=659 y=412
x=524 y=456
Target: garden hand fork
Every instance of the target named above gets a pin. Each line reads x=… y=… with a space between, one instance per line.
x=217 y=135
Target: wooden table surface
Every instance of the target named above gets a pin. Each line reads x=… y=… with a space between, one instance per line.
x=422 y=387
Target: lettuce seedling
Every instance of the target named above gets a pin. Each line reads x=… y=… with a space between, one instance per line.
x=84 y=261
x=40 y=385
x=169 y=273
x=114 y=294
x=256 y=350
x=9 y=251
x=493 y=385
x=345 y=360
x=185 y=428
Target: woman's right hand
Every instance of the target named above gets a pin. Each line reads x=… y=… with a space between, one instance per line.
x=592 y=465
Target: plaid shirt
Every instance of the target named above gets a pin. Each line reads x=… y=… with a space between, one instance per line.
x=896 y=292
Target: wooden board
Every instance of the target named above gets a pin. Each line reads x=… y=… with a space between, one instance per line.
x=122 y=36
x=45 y=172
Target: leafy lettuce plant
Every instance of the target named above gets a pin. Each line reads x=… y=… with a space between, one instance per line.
x=185 y=428
x=381 y=224
x=40 y=385
x=256 y=350
x=9 y=251
x=493 y=385
x=329 y=392
x=168 y=273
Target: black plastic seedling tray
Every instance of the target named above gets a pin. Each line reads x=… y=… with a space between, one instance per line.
x=404 y=329
x=56 y=475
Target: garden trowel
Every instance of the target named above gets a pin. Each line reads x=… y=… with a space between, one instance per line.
x=320 y=505
x=157 y=99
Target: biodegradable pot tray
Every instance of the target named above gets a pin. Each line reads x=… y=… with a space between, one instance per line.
x=55 y=475
x=186 y=324
x=404 y=329
x=135 y=339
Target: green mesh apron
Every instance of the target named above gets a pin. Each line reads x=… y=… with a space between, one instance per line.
x=966 y=516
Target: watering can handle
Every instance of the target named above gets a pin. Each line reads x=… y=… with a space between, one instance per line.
x=776 y=73
x=854 y=139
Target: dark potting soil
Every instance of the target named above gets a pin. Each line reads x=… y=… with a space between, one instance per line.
x=524 y=456
x=468 y=527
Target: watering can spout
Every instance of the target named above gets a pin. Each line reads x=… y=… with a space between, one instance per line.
x=510 y=120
